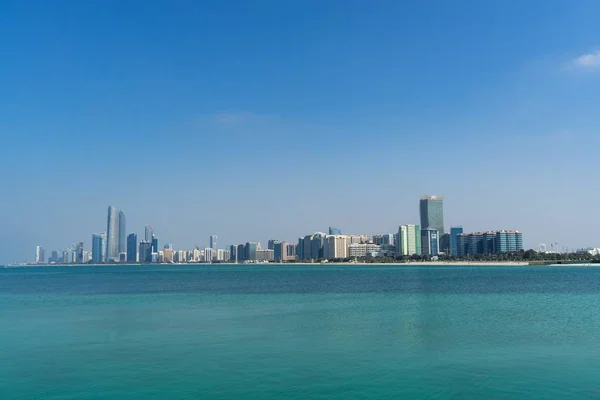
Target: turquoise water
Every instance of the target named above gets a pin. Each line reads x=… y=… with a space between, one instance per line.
x=300 y=332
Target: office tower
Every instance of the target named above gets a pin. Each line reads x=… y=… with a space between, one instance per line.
x=280 y=251
x=306 y=248
x=54 y=257
x=148 y=233
x=430 y=244
x=154 y=243
x=112 y=235
x=233 y=253
x=241 y=253
x=445 y=243
x=409 y=240
x=316 y=245
x=132 y=244
x=168 y=246
x=250 y=251
x=291 y=251
x=79 y=253
x=98 y=247
x=432 y=213
x=39 y=254
x=454 y=232
x=334 y=231
x=209 y=254
x=145 y=252
x=213 y=242
x=122 y=233
x=271 y=244
x=489 y=242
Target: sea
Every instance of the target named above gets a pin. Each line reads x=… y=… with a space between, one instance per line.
x=299 y=332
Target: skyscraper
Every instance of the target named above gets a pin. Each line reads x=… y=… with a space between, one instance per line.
x=79 y=259
x=334 y=231
x=98 y=247
x=213 y=242
x=430 y=242
x=409 y=240
x=148 y=233
x=145 y=252
x=112 y=235
x=454 y=232
x=122 y=233
x=39 y=254
x=132 y=248
x=432 y=213
x=250 y=251
x=154 y=244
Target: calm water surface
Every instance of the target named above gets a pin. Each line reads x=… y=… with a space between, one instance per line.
x=300 y=332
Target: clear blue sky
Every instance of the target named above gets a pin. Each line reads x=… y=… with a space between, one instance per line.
x=273 y=119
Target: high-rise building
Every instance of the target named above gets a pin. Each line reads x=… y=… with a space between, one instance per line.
x=54 y=257
x=250 y=251
x=409 y=240
x=291 y=251
x=271 y=244
x=132 y=244
x=334 y=231
x=122 y=233
x=241 y=253
x=148 y=233
x=316 y=245
x=79 y=259
x=145 y=252
x=264 y=255
x=168 y=246
x=209 y=254
x=335 y=247
x=430 y=243
x=233 y=253
x=280 y=251
x=454 y=232
x=168 y=255
x=489 y=242
x=112 y=235
x=39 y=255
x=98 y=247
x=213 y=242
x=432 y=213
x=154 y=243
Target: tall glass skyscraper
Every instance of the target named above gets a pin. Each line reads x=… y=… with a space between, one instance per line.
x=454 y=232
x=148 y=233
x=112 y=235
x=98 y=247
x=432 y=213
x=132 y=248
x=122 y=233
x=334 y=231
x=213 y=242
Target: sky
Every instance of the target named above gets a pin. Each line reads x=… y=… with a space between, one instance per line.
x=254 y=120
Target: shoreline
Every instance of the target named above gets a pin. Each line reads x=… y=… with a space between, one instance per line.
x=361 y=264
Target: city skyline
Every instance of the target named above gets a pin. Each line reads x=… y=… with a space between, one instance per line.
x=297 y=116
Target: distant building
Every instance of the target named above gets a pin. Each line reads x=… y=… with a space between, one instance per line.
x=489 y=242
x=335 y=247
x=445 y=243
x=213 y=242
x=362 y=249
x=280 y=251
x=39 y=255
x=233 y=253
x=98 y=248
x=168 y=255
x=265 y=255
x=148 y=233
x=154 y=244
x=334 y=231
x=250 y=251
x=168 y=246
x=209 y=254
x=454 y=232
x=79 y=259
x=291 y=251
x=122 y=233
x=145 y=252
x=271 y=244
x=241 y=252
x=432 y=213
x=409 y=240
x=112 y=234
x=132 y=243
x=430 y=243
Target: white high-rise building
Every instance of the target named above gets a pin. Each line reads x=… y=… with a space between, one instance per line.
x=336 y=246
x=208 y=254
x=39 y=254
x=409 y=240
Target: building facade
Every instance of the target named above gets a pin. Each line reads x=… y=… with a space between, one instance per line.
x=409 y=240
x=98 y=247
x=132 y=243
x=430 y=244
x=454 y=232
x=489 y=242
x=431 y=209
x=39 y=255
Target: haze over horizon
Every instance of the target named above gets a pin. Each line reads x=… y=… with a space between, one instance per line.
x=260 y=120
